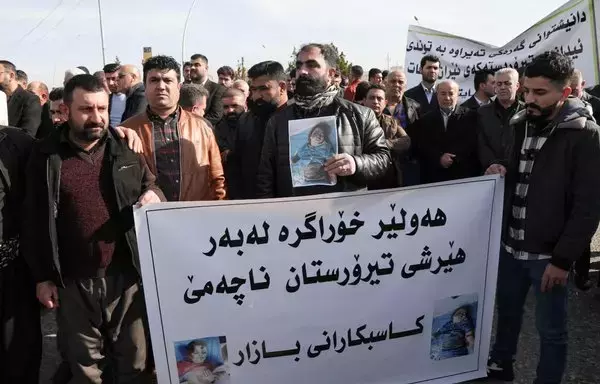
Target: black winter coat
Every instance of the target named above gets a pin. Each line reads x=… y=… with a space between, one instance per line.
x=359 y=135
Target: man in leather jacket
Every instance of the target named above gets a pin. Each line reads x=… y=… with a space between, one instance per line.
x=363 y=155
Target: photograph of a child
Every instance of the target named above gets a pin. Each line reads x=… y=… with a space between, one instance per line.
x=202 y=361
x=312 y=143
x=453 y=329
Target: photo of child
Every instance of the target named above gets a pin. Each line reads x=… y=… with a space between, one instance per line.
x=453 y=329
x=202 y=361
x=312 y=143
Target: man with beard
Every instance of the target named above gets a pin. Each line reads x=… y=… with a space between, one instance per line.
x=484 y=90
x=199 y=75
x=234 y=105
x=268 y=94
x=79 y=237
x=551 y=212
x=179 y=147
x=362 y=156
x=226 y=76
x=187 y=69
x=424 y=93
x=24 y=108
x=395 y=137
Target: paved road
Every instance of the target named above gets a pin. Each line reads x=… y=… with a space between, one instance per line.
x=584 y=338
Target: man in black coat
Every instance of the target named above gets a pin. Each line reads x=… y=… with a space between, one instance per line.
x=362 y=154
x=24 y=108
x=130 y=83
x=424 y=93
x=20 y=333
x=446 y=139
x=199 y=75
x=483 y=81
x=269 y=94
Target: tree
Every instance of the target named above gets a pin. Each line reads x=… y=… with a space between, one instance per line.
x=292 y=62
x=241 y=71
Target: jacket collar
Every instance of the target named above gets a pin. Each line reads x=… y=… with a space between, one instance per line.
x=51 y=144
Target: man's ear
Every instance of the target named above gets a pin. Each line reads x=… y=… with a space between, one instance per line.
x=566 y=92
x=282 y=87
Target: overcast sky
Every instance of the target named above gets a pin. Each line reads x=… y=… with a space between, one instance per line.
x=225 y=31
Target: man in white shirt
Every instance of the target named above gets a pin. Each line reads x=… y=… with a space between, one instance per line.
x=3 y=109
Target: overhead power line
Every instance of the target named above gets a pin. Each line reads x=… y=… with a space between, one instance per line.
x=41 y=21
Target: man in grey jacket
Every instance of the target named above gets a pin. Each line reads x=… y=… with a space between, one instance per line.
x=362 y=153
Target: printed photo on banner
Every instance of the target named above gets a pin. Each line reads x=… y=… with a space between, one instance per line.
x=312 y=143
x=202 y=361
x=453 y=329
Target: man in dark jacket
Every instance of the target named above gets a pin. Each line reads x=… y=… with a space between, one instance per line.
x=406 y=112
x=269 y=94
x=446 y=138
x=551 y=212
x=362 y=156
x=396 y=138
x=424 y=93
x=495 y=136
x=483 y=81
x=199 y=75
x=20 y=333
x=79 y=241
x=131 y=85
x=24 y=108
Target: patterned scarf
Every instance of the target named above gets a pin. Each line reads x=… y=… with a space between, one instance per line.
x=319 y=100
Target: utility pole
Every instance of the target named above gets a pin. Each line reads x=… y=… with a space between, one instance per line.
x=185 y=31
x=388 y=61
x=102 y=34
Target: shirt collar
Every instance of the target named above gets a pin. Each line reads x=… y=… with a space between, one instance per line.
x=154 y=117
x=427 y=90
x=481 y=102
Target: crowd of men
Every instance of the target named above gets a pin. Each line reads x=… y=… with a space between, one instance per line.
x=75 y=160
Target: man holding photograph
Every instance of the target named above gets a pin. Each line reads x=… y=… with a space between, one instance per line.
x=362 y=156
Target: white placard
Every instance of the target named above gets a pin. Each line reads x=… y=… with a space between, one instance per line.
x=355 y=288
x=569 y=29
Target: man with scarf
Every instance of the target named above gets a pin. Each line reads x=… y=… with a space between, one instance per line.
x=551 y=212
x=363 y=155
x=268 y=94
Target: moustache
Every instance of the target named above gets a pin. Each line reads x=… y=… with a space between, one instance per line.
x=94 y=125
x=533 y=106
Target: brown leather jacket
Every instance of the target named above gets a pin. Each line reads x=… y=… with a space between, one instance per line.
x=202 y=175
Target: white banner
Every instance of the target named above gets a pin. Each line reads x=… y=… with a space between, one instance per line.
x=374 y=287
x=569 y=29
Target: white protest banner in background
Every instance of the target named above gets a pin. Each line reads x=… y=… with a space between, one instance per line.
x=569 y=29
x=365 y=288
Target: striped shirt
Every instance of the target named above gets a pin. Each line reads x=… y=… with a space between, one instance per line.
x=166 y=152
x=532 y=144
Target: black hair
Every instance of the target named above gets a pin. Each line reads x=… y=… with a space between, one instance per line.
x=8 y=66
x=357 y=71
x=375 y=86
x=481 y=77
x=374 y=72
x=226 y=71
x=292 y=73
x=426 y=58
x=111 y=68
x=190 y=94
x=329 y=53
x=233 y=92
x=361 y=91
x=21 y=75
x=385 y=74
x=56 y=94
x=187 y=64
x=324 y=127
x=88 y=83
x=551 y=65
x=191 y=346
x=197 y=56
x=270 y=68
x=162 y=63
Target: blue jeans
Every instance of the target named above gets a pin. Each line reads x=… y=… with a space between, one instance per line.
x=514 y=279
